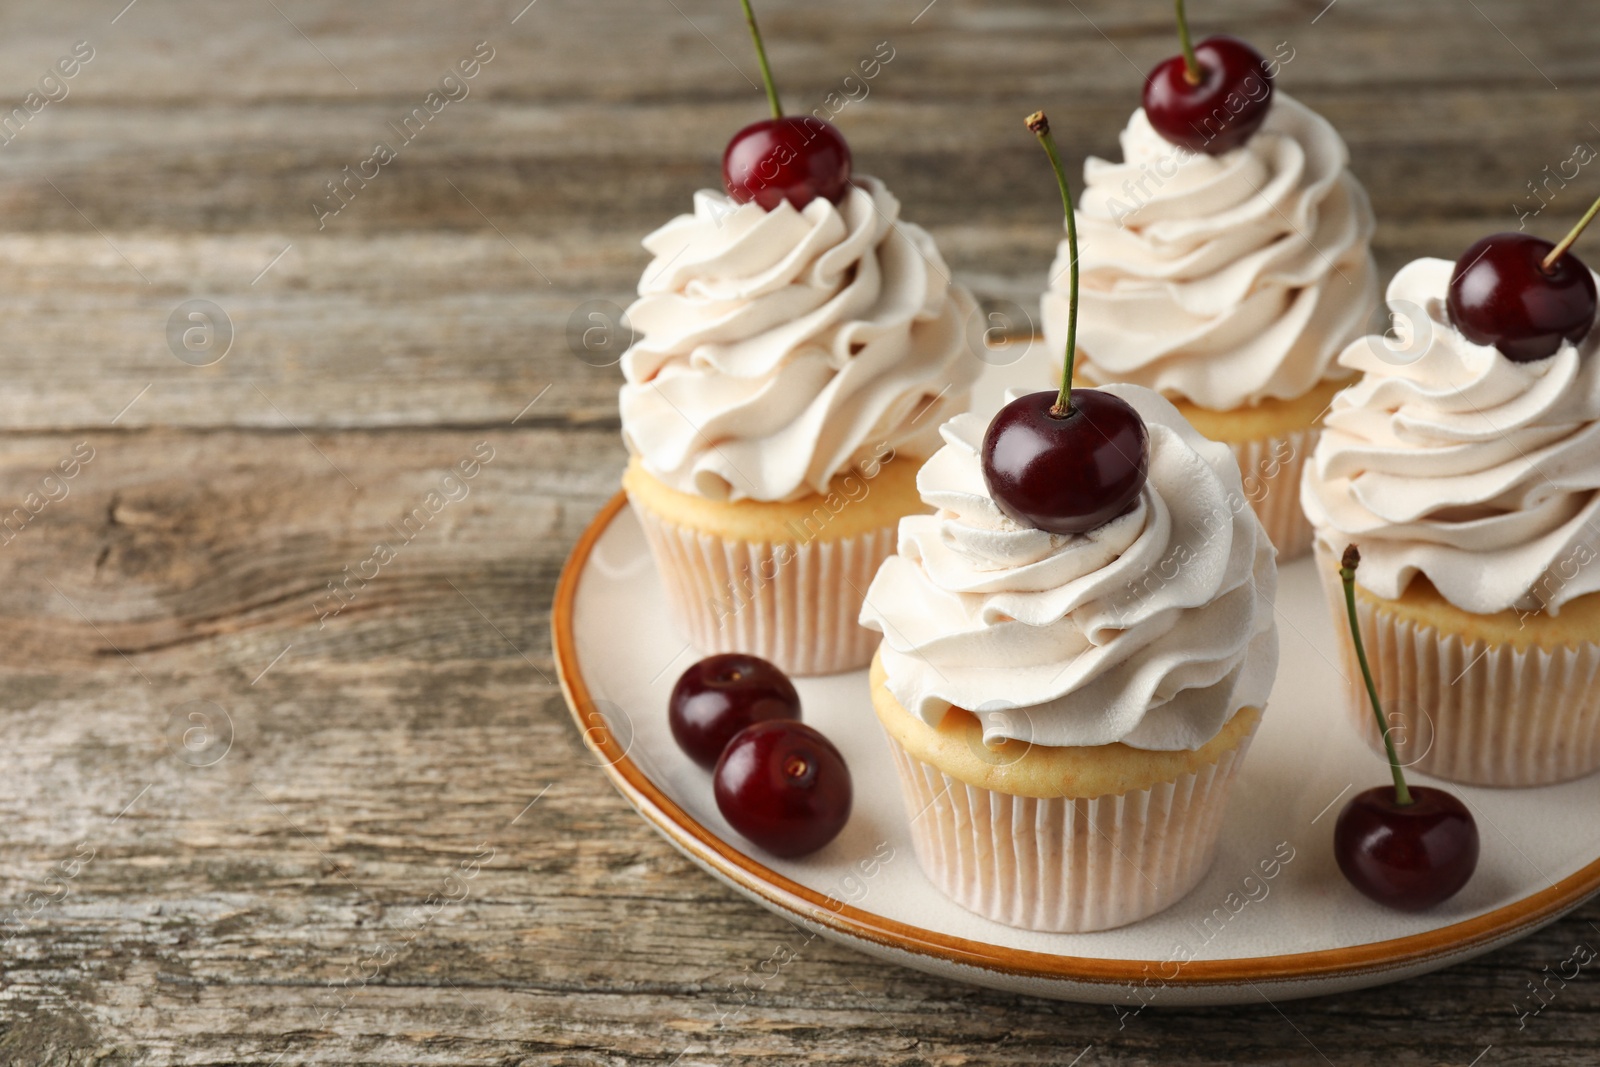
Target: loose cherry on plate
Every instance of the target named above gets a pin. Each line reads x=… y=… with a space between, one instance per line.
x=784 y=786
x=1212 y=96
x=1406 y=856
x=1522 y=294
x=721 y=695
x=784 y=158
x=1405 y=848
x=1067 y=461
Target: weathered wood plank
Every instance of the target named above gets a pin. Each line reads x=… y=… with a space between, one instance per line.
x=440 y=329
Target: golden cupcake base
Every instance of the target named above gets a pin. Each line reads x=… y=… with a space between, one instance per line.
x=1510 y=699
x=784 y=581
x=1059 y=840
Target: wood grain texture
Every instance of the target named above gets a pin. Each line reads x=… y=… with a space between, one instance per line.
x=381 y=841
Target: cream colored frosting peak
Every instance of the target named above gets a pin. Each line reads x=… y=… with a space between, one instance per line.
x=1450 y=460
x=1152 y=629
x=777 y=348
x=1223 y=280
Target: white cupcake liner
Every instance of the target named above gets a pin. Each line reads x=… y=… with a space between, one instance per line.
x=1064 y=864
x=795 y=603
x=1271 y=468
x=1470 y=711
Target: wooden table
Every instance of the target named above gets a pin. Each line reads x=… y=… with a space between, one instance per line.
x=243 y=827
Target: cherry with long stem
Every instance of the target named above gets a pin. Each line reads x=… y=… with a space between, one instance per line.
x=1070 y=460
x=784 y=158
x=1406 y=848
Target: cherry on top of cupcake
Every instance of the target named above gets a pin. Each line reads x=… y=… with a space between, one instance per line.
x=1068 y=461
x=1523 y=294
x=784 y=158
x=1406 y=847
x=1210 y=97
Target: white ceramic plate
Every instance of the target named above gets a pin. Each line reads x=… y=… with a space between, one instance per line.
x=1302 y=932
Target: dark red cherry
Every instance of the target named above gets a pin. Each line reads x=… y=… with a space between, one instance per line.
x=1221 y=112
x=795 y=158
x=721 y=695
x=1066 y=474
x=1411 y=856
x=784 y=786
x=1501 y=295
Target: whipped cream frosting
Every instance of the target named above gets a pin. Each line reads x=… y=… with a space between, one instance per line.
x=1224 y=280
x=1152 y=629
x=775 y=349
x=1449 y=459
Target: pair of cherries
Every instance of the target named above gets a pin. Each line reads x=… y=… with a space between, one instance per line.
x=777 y=781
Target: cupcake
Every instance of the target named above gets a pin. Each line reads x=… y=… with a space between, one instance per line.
x=1471 y=483
x=1077 y=648
x=796 y=347
x=1228 y=283
x=1067 y=712
x=791 y=368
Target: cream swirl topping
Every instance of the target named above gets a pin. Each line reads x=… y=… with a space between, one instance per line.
x=1450 y=460
x=776 y=348
x=1224 y=280
x=1152 y=629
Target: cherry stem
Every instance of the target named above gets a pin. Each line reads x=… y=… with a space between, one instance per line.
x=1560 y=250
x=1041 y=127
x=1347 y=575
x=761 y=57
x=1191 y=62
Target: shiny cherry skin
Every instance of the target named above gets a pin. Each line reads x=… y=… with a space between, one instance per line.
x=721 y=695
x=1066 y=474
x=796 y=158
x=1410 y=857
x=1220 y=113
x=784 y=786
x=1501 y=295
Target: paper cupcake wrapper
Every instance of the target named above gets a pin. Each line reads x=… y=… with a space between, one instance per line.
x=1065 y=864
x=794 y=603
x=1271 y=468
x=1467 y=710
